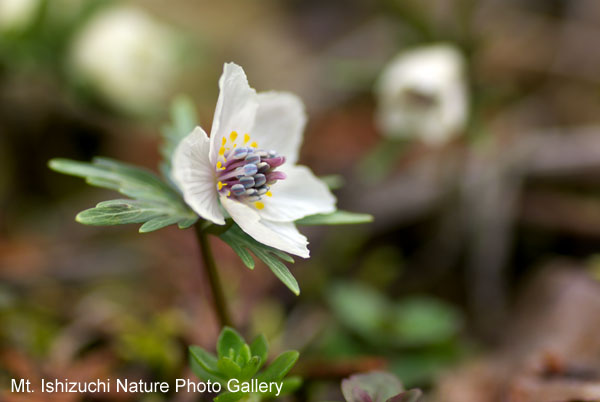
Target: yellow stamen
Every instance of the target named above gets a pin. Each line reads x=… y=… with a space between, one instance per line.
x=220 y=166
x=246 y=138
x=254 y=144
x=220 y=185
x=222 y=151
x=233 y=136
x=269 y=194
x=259 y=205
x=223 y=141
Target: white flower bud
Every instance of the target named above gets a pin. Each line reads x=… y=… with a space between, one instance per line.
x=128 y=57
x=422 y=94
x=17 y=15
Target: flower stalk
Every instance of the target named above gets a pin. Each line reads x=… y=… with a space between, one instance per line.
x=213 y=276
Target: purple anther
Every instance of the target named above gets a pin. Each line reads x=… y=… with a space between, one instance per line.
x=240 y=153
x=250 y=169
x=252 y=158
x=247 y=181
x=259 y=179
x=238 y=189
x=263 y=167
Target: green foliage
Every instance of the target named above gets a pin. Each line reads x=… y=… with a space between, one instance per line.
x=377 y=386
x=237 y=360
x=243 y=244
x=412 y=322
x=183 y=121
x=153 y=202
x=336 y=218
x=423 y=320
x=417 y=334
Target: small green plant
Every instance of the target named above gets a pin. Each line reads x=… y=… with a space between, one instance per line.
x=236 y=367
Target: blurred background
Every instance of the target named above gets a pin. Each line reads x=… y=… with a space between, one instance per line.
x=470 y=129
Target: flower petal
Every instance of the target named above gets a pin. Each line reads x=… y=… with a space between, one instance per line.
x=193 y=174
x=281 y=235
x=236 y=107
x=279 y=124
x=300 y=194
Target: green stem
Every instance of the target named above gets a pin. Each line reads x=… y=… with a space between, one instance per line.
x=213 y=277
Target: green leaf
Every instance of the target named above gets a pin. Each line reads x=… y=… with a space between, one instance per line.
x=205 y=359
x=243 y=254
x=159 y=223
x=153 y=203
x=411 y=322
x=360 y=308
x=251 y=368
x=228 y=367
x=117 y=212
x=183 y=122
x=279 y=269
x=279 y=367
x=186 y=223
x=336 y=218
x=288 y=385
x=291 y=384
x=229 y=340
x=419 y=321
x=260 y=347
x=202 y=373
x=241 y=243
x=378 y=386
x=244 y=356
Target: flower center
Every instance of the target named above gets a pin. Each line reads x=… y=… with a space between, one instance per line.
x=245 y=172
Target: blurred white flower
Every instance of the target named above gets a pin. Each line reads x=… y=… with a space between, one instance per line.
x=247 y=168
x=422 y=94
x=17 y=15
x=128 y=57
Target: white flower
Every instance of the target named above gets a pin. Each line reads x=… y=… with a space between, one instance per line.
x=17 y=15
x=422 y=93
x=248 y=169
x=128 y=57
